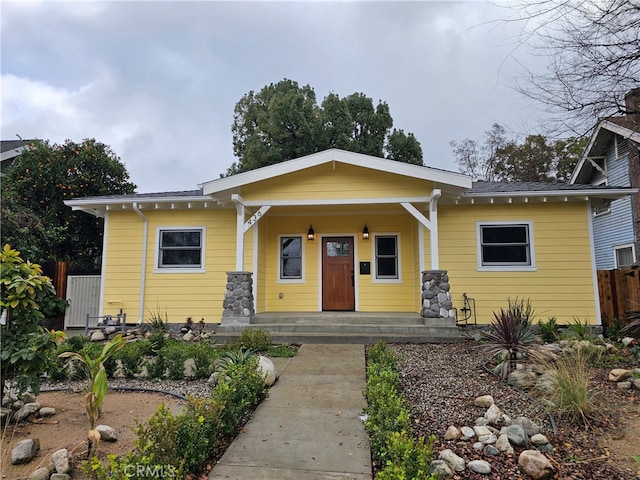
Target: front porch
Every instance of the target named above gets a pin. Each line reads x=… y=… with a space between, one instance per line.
x=347 y=327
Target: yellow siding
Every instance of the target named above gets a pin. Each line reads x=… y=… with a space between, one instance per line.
x=180 y=295
x=562 y=285
x=345 y=181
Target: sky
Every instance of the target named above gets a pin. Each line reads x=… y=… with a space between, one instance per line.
x=158 y=81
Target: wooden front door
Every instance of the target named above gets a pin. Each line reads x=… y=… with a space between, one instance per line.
x=338 y=292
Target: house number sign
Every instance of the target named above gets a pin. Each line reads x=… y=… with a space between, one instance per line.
x=255 y=217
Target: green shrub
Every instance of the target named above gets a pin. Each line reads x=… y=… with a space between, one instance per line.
x=257 y=339
x=131 y=354
x=173 y=355
x=158 y=320
x=549 y=329
x=577 y=330
x=388 y=421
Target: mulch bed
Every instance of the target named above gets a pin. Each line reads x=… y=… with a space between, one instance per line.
x=439 y=383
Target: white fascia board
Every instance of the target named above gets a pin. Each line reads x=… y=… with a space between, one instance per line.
x=12 y=153
x=341 y=156
x=336 y=201
x=612 y=193
x=622 y=131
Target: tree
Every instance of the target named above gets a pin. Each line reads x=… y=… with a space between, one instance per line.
x=594 y=52
x=535 y=160
x=479 y=159
x=34 y=189
x=283 y=121
x=25 y=346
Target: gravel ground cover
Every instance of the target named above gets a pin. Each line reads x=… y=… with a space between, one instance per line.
x=439 y=383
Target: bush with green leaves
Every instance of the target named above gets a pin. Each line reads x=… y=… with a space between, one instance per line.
x=173 y=355
x=257 y=339
x=578 y=330
x=388 y=421
x=549 y=330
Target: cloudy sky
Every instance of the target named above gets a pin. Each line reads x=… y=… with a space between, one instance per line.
x=158 y=81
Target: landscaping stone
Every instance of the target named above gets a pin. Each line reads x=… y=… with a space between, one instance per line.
x=479 y=466
x=60 y=459
x=487 y=439
x=538 y=439
x=484 y=401
x=493 y=415
x=467 y=432
x=97 y=336
x=107 y=433
x=60 y=476
x=481 y=430
x=267 y=369
x=454 y=461
x=490 y=451
x=41 y=473
x=190 y=369
x=504 y=445
x=188 y=337
x=24 y=451
x=516 y=435
x=25 y=411
x=530 y=427
x=452 y=433
x=47 y=412
x=624 y=385
x=619 y=374
x=535 y=465
x=627 y=340
x=441 y=469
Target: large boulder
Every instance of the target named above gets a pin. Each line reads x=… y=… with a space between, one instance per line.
x=535 y=465
x=267 y=369
x=24 y=451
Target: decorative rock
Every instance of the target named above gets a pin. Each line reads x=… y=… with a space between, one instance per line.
x=60 y=460
x=454 y=461
x=97 y=336
x=491 y=451
x=484 y=401
x=441 y=469
x=24 y=451
x=107 y=433
x=521 y=378
x=619 y=374
x=110 y=330
x=188 y=337
x=25 y=411
x=467 y=432
x=636 y=382
x=530 y=428
x=538 y=439
x=516 y=435
x=535 y=465
x=190 y=369
x=47 y=412
x=477 y=446
x=487 y=439
x=546 y=448
x=479 y=466
x=481 y=430
x=41 y=473
x=626 y=341
x=60 y=476
x=267 y=369
x=482 y=421
x=624 y=385
x=504 y=445
x=452 y=433
x=493 y=415
x=213 y=380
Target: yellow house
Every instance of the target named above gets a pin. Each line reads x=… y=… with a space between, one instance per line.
x=340 y=231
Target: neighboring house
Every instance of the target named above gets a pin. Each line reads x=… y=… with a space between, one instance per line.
x=10 y=149
x=611 y=158
x=339 y=231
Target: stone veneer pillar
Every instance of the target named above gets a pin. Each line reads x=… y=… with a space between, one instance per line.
x=238 y=299
x=436 y=299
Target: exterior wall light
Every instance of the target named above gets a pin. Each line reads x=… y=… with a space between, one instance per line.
x=365 y=232
x=311 y=235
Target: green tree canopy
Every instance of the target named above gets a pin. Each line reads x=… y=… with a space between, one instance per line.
x=283 y=121
x=34 y=217
x=536 y=159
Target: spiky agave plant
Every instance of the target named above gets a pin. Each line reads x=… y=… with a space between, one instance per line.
x=508 y=335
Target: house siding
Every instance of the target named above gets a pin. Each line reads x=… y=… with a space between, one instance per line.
x=615 y=227
x=562 y=284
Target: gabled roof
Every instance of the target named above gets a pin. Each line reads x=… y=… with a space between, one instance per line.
x=599 y=142
x=233 y=183
x=12 y=148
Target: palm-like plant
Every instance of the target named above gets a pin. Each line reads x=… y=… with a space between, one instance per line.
x=508 y=335
x=97 y=383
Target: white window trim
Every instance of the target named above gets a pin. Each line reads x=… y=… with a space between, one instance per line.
x=506 y=268
x=374 y=263
x=623 y=246
x=203 y=238
x=602 y=212
x=302 y=278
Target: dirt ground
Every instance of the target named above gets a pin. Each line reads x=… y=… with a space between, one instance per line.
x=68 y=428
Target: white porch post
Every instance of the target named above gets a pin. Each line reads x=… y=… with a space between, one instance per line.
x=433 y=216
x=239 y=202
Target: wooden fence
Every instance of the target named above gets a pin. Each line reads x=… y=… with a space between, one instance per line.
x=619 y=292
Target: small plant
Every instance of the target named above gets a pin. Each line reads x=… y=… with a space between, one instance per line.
x=570 y=395
x=507 y=336
x=233 y=357
x=201 y=326
x=283 y=350
x=97 y=384
x=257 y=339
x=159 y=321
x=549 y=329
x=577 y=330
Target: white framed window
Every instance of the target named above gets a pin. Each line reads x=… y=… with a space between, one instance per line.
x=180 y=249
x=625 y=255
x=290 y=259
x=504 y=246
x=386 y=255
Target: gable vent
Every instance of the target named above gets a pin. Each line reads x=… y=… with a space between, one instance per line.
x=622 y=147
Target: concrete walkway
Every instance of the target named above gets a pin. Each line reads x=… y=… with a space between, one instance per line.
x=309 y=427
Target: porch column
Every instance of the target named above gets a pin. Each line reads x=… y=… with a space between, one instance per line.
x=238 y=299
x=436 y=298
x=239 y=202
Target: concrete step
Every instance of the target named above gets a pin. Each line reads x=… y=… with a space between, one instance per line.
x=341 y=319
x=344 y=328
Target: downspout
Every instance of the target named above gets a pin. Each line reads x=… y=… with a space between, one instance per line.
x=143 y=273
